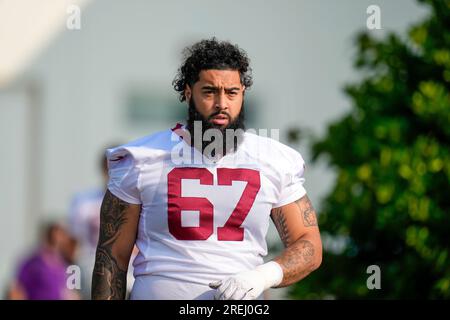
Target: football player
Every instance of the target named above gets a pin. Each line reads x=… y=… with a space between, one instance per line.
x=200 y=226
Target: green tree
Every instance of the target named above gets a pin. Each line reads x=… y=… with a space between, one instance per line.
x=390 y=203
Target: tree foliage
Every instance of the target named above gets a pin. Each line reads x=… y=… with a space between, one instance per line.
x=390 y=203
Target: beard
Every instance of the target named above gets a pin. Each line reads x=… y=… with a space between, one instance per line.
x=233 y=130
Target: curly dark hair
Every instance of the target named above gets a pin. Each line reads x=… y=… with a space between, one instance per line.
x=211 y=54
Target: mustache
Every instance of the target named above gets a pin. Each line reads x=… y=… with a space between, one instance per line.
x=224 y=113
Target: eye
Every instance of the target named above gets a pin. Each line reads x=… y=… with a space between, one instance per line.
x=232 y=93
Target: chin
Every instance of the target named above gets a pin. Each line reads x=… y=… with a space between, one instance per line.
x=219 y=126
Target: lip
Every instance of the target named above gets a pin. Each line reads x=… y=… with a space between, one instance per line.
x=219 y=119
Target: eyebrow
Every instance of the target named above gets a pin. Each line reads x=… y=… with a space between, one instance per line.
x=207 y=87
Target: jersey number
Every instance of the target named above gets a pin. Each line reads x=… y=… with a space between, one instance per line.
x=232 y=230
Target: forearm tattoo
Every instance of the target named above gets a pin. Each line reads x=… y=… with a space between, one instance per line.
x=108 y=278
x=297 y=260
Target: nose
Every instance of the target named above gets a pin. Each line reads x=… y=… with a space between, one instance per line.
x=220 y=102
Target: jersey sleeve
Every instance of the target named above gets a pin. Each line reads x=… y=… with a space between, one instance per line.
x=123 y=175
x=292 y=179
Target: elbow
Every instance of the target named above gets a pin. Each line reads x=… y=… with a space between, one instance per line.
x=317 y=262
x=318 y=257
x=315 y=247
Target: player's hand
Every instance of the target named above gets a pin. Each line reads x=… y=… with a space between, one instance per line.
x=248 y=285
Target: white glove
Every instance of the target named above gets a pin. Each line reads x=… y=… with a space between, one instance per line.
x=248 y=285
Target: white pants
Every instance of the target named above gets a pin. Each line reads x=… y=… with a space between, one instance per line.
x=161 y=288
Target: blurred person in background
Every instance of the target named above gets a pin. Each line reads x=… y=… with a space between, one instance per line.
x=84 y=225
x=42 y=275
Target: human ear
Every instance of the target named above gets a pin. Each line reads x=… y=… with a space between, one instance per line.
x=188 y=93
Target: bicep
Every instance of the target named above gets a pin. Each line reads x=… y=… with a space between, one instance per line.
x=295 y=220
x=118 y=227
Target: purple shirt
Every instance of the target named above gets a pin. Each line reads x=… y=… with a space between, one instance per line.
x=43 y=276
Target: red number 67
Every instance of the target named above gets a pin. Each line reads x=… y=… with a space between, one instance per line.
x=232 y=230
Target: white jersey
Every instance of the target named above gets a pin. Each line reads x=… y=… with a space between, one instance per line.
x=203 y=222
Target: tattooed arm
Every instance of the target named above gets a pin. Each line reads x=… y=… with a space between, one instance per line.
x=118 y=229
x=297 y=225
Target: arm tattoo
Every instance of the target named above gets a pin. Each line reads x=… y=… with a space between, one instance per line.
x=108 y=279
x=307 y=211
x=299 y=258
x=279 y=221
x=297 y=261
